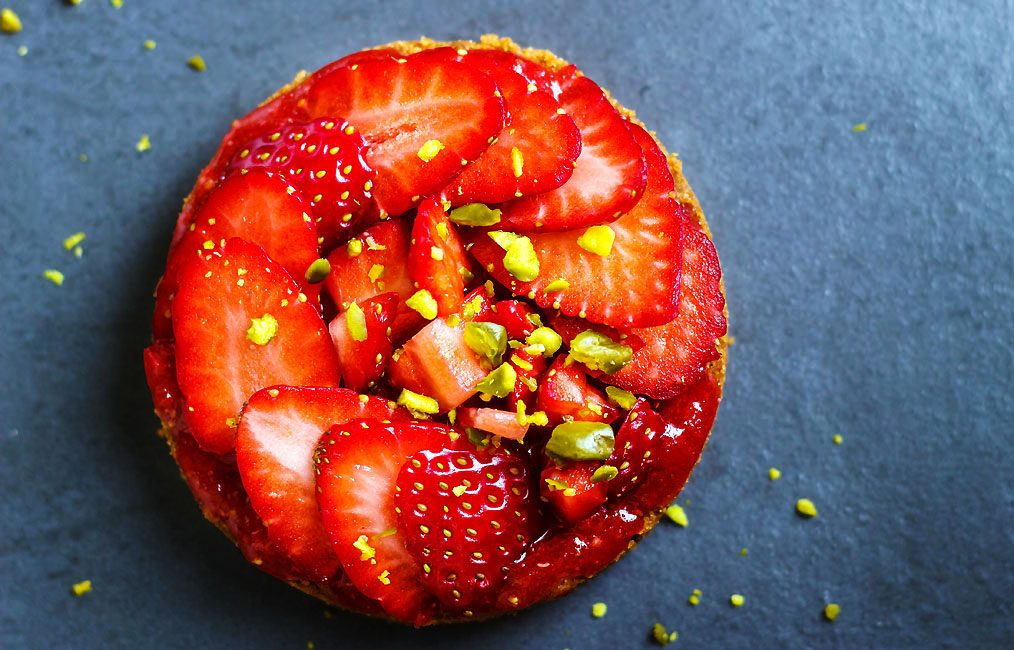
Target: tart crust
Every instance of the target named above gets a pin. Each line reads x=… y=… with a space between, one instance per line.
x=683 y=193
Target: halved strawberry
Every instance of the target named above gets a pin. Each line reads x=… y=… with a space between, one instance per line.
x=160 y=372
x=358 y=465
x=609 y=174
x=371 y=264
x=437 y=260
x=569 y=489
x=323 y=159
x=277 y=434
x=564 y=393
x=364 y=361
x=258 y=206
x=466 y=515
x=675 y=354
x=421 y=120
x=240 y=326
x=535 y=151
x=635 y=284
x=499 y=423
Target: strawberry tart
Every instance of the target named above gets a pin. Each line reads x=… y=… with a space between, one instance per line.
x=441 y=331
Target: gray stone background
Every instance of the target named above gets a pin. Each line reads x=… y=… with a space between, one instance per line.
x=869 y=276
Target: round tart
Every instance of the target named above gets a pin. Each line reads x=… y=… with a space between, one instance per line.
x=441 y=331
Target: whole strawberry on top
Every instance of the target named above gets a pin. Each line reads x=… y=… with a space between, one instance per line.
x=441 y=331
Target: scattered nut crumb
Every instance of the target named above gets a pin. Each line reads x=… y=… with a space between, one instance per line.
x=599 y=610
x=831 y=611
x=677 y=515
x=22 y=50
x=116 y=3
x=144 y=144
x=837 y=439
x=149 y=44
x=663 y=636
x=53 y=276
x=197 y=63
x=9 y=21
x=774 y=473
x=859 y=128
x=806 y=508
x=695 y=597
x=737 y=600
x=81 y=588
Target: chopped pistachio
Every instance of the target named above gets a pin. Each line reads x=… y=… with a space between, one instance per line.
x=81 y=588
x=521 y=260
x=10 y=23
x=661 y=635
x=500 y=382
x=831 y=611
x=429 y=150
x=737 y=600
x=604 y=473
x=418 y=403
x=488 y=340
x=472 y=308
x=366 y=551
x=695 y=597
x=598 y=240
x=677 y=515
x=521 y=363
x=477 y=437
x=599 y=352
x=517 y=162
x=53 y=276
x=806 y=508
x=599 y=610
x=774 y=473
x=262 y=329
x=582 y=441
x=354 y=247
x=384 y=577
x=423 y=302
x=376 y=272
x=622 y=398
x=71 y=242
x=859 y=128
x=503 y=238
x=559 y=486
x=475 y=214
x=22 y=50
x=558 y=284
x=743 y=551
x=149 y=44
x=547 y=339
x=144 y=144
x=197 y=63
x=355 y=320
x=317 y=271
x=837 y=439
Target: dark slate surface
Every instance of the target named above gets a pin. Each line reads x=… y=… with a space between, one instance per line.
x=869 y=274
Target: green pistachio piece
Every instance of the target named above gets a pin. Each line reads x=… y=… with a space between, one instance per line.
x=604 y=473
x=547 y=338
x=318 y=271
x=582 y=441
x=475 y=214
x=500 y=382
x=418 y=403
x=262 y=329
x=503 y=238
x=355 y=320
x=488 y=340
x=598 y=240
x=622 y=398
x=423 y=302
x=354 y=247
x=521 y=260
x=557 y=285
x=599 y=352
x=477 y=437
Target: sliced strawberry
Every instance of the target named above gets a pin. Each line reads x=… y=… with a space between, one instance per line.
x=635 y=285
x=223 y=355
x=675 y=354
x=518 y=318
x=499 y=423
x=466 y=515
x=323 y=159
x=437 y=260
x=260 y=207
x=277 y=434
x=371 y=264
x=609 y=174
x=160 y=371
x=533 y=73
x=565 y=393
x=571 y=491
x=535 y=151
x=437 y=362
x=529 y=368
x=364 y=362
x=358 y=465
x=568 y=327
x=420 y=118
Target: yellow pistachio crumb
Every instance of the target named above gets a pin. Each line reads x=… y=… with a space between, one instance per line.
x=677 y=515
x=9 y=21
x=661 y=635
x=557 y=285
x=429 y=150
x=71 y=242
x=83 y=157
x=599 y=610
x=262 y=329
x=598 y=240
x=743 y=551
x=695 y=597
x=517 y=162
x=355 y=321
x=806 y=508
x=366 y=552
x=423 y=302
x=144 y=144
x=831 y=611
x=859 y=128
x=81 y=588
x=53 y=276
x=149 y=44
x=737 y=600
x=383 y=577
x=116 y=3
x=837 y=439
x=774 y=473
x=22 y=50
x=197 y=63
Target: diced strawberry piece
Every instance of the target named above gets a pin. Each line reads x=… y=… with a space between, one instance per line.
x=223 y=355
x=375 y=265
x=518 y=318
x=570 y=490
x=535 y=151
x=565 y=393
x=675 y=354
x=437 y=260
x=609 y=174
x=529 y=368
x=260 y=207
x=499 y=423
x=277 y=435
x=364 y=362
x=358 y=466
x=656 y=450
x=420 y=120
x=635 y=285
x=160 y=371
x=323 y=159
x=466 y=515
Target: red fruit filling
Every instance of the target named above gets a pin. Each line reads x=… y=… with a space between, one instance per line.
x=466 y=419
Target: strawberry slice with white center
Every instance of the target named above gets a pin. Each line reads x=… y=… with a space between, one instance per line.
x=437 y=260
x=535 y=151
x=499 y=423
x=534 y=74
x=675 y=354
x=635 y=284
x=358 y=464
x=422 y=119
x=258 y=206
x=362 y=340
x=609 y=174
x=240 y=325
x=278 y=432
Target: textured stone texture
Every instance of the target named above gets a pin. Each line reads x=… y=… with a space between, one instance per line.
x=869 y=274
